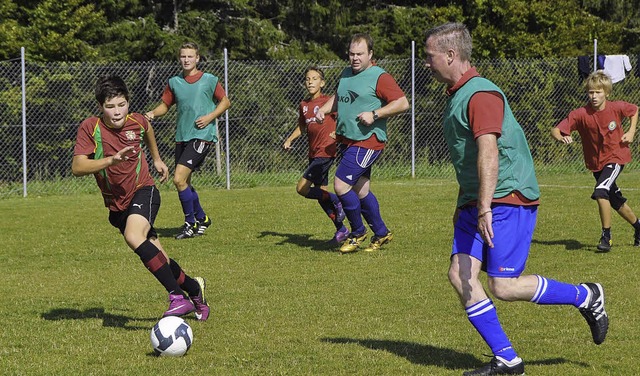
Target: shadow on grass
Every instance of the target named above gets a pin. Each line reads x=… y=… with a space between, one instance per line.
x=302 y=240
x=168 y=232
x=569 y=244
x=108 y=320
x=435 y=356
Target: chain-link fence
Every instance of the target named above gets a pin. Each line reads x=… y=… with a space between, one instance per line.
x=264 y=99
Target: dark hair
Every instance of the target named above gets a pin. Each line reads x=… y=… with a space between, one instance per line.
x=314 y=68
x=365 y=37
x=110 y=86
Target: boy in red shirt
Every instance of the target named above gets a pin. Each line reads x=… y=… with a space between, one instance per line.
x=606 y=149
x=110 y=147
x=322 y=152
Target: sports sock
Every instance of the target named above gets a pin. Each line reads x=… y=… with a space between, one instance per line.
x=550 y=291
x=187 y=283
x=484 y=318
x=197 y=208
x=155 y=261
x=636 y=225
x=606 y=232
x=371 y=213
x=351 y=206
x=186 y=200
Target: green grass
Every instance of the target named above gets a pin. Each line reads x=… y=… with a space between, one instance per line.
x=77 y=301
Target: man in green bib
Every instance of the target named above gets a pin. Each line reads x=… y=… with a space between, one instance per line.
x=365 y=98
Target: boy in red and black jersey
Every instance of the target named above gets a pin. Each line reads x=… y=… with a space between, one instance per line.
x=110 y=147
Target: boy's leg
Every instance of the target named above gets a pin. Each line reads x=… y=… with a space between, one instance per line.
x=195 y=287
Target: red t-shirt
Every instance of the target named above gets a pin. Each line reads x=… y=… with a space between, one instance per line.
x=321 y=145
x=388 y=90
x=600 y=132
x=117 y=183
x=169 y=99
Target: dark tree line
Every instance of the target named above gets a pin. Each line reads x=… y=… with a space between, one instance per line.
x=144 y=30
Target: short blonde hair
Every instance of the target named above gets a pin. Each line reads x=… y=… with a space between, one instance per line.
x=598 y=80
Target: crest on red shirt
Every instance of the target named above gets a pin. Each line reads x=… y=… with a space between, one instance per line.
x=305 y=109
x=612 y=125
x=131 y=135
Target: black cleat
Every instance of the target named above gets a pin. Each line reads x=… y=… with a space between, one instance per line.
x=499 y=366
x=593 y=311
x=188 y=231
x=605 y=244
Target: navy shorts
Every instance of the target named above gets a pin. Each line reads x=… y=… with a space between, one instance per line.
x=355 y=162
x=606 y=186
x=192 y=153
x=145 y=202
x=318 y=170
x=512 y=232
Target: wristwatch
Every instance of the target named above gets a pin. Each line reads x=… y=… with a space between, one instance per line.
x=375 y=115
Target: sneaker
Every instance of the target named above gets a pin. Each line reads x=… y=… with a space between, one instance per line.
x=179 y=306
x=499 y=366
x=636 y=238
x=202 y=224
x=339 y=212
x=353 y=242
x=605 y=244
x=593 y=311
x=188 y=231
x=378 y=241
x=202 y=308
x=341 y=235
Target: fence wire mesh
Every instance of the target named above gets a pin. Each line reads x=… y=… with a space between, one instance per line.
x=264 y=99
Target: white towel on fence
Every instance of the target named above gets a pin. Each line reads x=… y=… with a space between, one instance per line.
x=615 y=66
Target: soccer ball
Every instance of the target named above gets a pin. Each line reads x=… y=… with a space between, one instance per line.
x=171 y=336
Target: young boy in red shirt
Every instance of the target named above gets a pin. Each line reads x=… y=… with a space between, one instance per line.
x=322 y=152
x=110 y=147
x=605 y=146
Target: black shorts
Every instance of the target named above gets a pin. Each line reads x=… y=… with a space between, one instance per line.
x=606 y=186
x=192 y=153
x=145 y=202
x=318 y=171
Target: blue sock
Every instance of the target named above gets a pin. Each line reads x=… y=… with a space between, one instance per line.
x=484 y=318
x=197 y=208
x=371 y=213
x=550 y=291
x=186 y=199
x=351 y=206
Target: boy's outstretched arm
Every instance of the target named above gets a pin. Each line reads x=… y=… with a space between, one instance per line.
x=83 y=165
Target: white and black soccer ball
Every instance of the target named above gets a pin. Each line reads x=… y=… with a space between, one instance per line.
x=171 y=336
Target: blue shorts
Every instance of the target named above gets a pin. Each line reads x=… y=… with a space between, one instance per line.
x=512 y=232
x=356 y=161
x=318 y=170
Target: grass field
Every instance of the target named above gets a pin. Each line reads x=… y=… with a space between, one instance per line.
x=77 y=301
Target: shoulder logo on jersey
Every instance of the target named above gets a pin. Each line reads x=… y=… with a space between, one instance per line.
x=612 y=125
x=131 y=135
x=350 y=98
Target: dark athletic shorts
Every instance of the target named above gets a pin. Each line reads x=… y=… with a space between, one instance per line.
x=606 y=186
x=145 y=202
x=191 y=154
x=318 y=170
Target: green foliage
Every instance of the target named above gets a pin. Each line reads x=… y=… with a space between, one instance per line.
x=138 y=30
x=64 y=30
